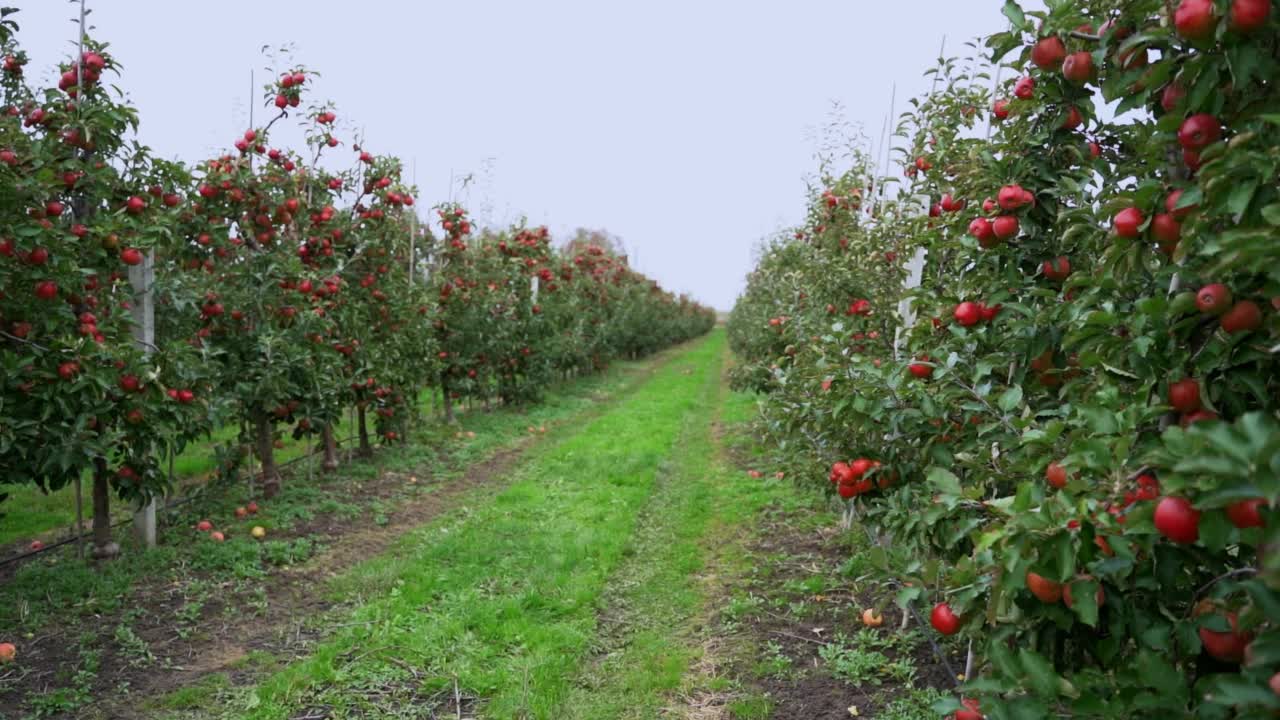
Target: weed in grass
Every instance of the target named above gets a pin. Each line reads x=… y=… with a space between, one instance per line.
x=916 y=705
x=855 y=665
x=79 y=689
x=192 y=697
x=775 y=663
x=861 y=663
x=741 y=606
x=756 y=707
x=288 y=552
x=135 y=649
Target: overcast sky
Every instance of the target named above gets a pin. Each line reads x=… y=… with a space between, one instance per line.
x=685 y=127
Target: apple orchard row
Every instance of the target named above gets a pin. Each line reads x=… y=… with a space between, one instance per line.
x=1068 y=436
x=290 y=284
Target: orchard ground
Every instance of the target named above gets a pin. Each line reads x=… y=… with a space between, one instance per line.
x=625 y=563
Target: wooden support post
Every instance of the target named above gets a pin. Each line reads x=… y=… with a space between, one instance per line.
x=142 y=277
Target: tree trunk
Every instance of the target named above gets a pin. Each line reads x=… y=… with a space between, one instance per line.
x=103 y=546
x=366 y=450
x=330 y=450
x=448 y=401
x=267 y=456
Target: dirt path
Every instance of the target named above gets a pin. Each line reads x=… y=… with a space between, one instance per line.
x=782 y=631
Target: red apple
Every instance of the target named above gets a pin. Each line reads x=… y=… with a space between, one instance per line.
x=1199 y=132
x=1184 y=395
x=972 y=710
x=1171 y=205
x=1244 y=513
x=1025 y=88
x=1249 y=15
x=1005 y=226
x=1229 y=645
x=1166 y=230
x=1177 y=520
x=1244 y=316
x=1056 y=269
x=1214 y=299
x=1172 y=97
x=1046 y=590
x=1056 y=476
x=968 y=313
x=944 y=620
x=1194 y=19
x=1078 y=67
x=1011 y=197
x=1048 y=53
x=1128 y=222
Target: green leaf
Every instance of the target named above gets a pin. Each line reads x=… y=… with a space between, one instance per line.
x=1010 y=399
x=1271 y=213
x=1040 y=674
x=944 y=480
x=1085 y=601
x=1240 y=197
x=1012 y=11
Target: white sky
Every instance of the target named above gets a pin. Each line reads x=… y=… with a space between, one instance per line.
x=683 y=127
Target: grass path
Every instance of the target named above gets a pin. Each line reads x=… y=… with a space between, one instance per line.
x=500 y=601
x=570 y=594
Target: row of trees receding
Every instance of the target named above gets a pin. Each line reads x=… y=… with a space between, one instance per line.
x=289 y=284
x=1068 y=429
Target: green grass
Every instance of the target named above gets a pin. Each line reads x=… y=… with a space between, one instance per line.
x=655 y=594
x=562 y=596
